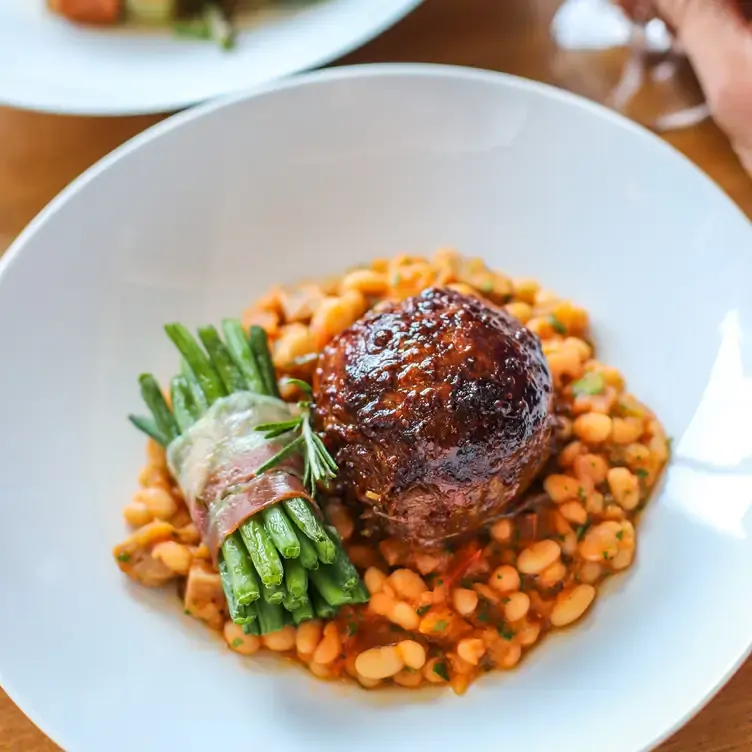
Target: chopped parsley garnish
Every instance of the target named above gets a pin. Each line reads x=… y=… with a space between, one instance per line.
x=352 y=628
x=423 y=610
x=627 y=410
x=125 y=557
x=439 y=582
x=557 y=326
x=483 y=616
x=440 y=669
x=506 y=600
x=505 y=633
x=237 y=642
x=620 y=534
x=581 y=530
x=641 y=472
x=440 y=626
x=590 y=384
x=605 y=556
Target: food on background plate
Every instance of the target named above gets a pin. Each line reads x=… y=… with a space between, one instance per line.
x=201 y=19
x=461 y=448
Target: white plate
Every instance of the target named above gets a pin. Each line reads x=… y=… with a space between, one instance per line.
x=197 y=216
x=49 y=64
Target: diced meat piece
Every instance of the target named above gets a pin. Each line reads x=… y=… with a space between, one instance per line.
x=148 y=571
x=134 y=557
x=203 y=586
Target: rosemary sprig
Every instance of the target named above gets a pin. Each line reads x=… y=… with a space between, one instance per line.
x=320 y=466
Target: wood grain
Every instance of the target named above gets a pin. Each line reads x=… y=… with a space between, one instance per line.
x=41 y=154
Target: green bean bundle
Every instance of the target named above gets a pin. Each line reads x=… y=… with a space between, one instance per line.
x=248 y=465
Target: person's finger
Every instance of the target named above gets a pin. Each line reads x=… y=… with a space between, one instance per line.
x=639 y=10
x=718 y=41
x=745 y=155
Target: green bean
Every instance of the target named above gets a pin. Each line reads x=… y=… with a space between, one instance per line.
x=360 y=594
x=251 y=612
x=320 y=606
x=253 y=627
x=291 y=604
x=259 y=345
x=263 y=554
x=296 y=578
x=302 y=514
x=243 y=577
x=270 y=617
x=343 y=571
x=230 y=374
x=273 y=594
x=287 y=618
x=207 y=377
x=279 y=529
x=197 y=393
x=182 y=403
x=308 y=557
x=303 y=613
x=240 y=352
x=325 y=583
x=326 y=550
x=155 y=401
x=150 y=428
x=239 y=614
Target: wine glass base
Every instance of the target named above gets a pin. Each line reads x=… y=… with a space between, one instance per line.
x=660 y=91
x=638 y=69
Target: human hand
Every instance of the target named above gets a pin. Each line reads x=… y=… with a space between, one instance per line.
x=718 y=41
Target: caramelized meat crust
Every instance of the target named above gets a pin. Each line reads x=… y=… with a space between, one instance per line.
x=439 y=411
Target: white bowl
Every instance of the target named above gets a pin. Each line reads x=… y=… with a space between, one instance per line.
x=52 y=65
x=200 y=214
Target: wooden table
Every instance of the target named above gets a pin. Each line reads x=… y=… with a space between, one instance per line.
x=41 y=154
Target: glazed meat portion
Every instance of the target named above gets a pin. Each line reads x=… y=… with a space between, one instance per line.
x=439 y=412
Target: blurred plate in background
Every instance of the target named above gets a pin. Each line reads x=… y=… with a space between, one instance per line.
x=49 y=64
